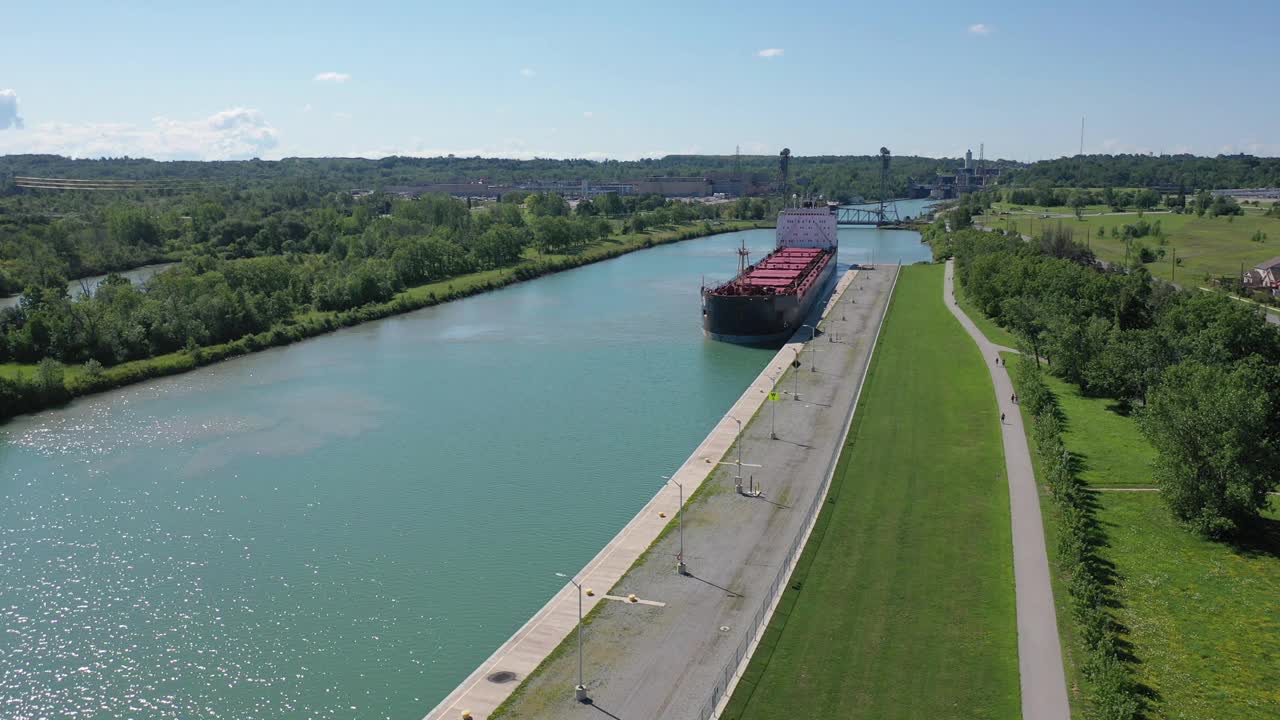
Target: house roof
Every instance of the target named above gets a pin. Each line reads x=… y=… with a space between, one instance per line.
x=1272 y=264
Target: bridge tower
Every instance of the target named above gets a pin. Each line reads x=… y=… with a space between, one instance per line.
x=784 y=172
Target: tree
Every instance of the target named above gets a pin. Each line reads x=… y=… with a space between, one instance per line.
x=547 y=205
x=129 y=225
x=1146 y=199
x=610 y=204
x=1213 y=430
x=1078 y=204
x=49 y=382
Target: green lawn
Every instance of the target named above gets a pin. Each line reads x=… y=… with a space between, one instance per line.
x=1202 y=617
x=1204 y=245
x=1113 y=453
x=906 y=606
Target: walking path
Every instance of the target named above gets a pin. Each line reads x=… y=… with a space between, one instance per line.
x=1044 y=683
x=516 y=659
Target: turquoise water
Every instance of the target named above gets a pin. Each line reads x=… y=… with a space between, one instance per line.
x=346 y=527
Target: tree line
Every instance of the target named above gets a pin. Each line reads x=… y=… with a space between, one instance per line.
x=1200 y=370
x=250 y=266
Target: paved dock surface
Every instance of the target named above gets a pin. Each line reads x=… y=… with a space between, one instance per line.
x=1044 y=683
x=648 y=661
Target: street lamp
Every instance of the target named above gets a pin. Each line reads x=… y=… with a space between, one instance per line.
x=680 y=566
x=580 y=692
x=813 y=332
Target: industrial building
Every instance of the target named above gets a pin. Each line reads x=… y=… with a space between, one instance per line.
x=968 y=178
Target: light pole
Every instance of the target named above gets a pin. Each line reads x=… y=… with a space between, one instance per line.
x=813 y=333
x=795 y=377
x=680 y=566
x=737 y=479
x=580 y=692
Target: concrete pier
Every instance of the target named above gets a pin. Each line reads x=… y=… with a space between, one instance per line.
x=657 y=657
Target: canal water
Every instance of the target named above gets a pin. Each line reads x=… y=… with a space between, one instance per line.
x=346 y=527
x=76 y=288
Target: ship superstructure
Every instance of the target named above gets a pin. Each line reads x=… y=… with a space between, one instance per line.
x=765 y=303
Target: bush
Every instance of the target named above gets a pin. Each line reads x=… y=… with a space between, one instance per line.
x=1112 y=693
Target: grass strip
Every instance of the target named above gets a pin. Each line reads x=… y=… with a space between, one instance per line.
x=902 y=603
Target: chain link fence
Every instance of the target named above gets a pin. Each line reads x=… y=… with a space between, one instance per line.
x=760 y=621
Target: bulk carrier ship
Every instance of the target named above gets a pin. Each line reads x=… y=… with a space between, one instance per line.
x=767 y=302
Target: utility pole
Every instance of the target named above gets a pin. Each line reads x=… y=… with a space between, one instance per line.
x=1173 y=268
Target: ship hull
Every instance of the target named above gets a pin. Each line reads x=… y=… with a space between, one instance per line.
x=763 y=320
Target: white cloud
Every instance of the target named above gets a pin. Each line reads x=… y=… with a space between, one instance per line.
x=332 y=77
x=588 y=114
x=9 y=117
x=527 y=72
x=980 y=29
x=237 y=133
x=306 y=108
x=770 y=53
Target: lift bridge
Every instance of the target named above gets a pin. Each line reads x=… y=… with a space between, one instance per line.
x=885 y=214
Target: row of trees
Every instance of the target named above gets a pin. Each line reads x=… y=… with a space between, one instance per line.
x=1114 y=694
x=244 y=273
x=1202 y=370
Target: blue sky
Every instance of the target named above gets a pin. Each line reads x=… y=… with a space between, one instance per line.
x=627 y=80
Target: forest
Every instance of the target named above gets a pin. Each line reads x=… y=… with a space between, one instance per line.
x=1200 y=370
x=263 y=260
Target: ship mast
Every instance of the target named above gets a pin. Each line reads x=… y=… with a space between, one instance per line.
x=744 y=258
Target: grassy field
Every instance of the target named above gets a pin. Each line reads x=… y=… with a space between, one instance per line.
x=1117 y=454
x=902 y=604
x=1205 y=246
x=1201 y=616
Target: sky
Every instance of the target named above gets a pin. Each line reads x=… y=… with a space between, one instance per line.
x=232 y=80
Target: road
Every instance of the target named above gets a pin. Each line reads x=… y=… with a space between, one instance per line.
x=647 y=661
x=1043 y=680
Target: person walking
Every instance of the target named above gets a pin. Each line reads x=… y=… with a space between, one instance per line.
x=1001 y=418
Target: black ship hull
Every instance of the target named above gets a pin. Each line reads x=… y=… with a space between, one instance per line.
x=762 y=320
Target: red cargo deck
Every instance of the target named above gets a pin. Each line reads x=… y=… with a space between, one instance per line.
x=784 y=271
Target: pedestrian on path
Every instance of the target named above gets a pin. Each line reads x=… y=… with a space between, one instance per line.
x=1001 y=418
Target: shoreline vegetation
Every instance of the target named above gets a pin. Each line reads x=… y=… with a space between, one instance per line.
x=26 y=388
x=1142 y=396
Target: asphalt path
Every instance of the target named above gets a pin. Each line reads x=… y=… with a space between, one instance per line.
x=1043 y=680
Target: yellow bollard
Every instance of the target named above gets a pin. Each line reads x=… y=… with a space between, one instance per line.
x=632 y=597
x=466 y=715
x=589 y=592
x=662 y=514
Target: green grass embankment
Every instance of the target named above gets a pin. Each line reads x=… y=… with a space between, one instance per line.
x=902 y=604
x=313 y=323
x=1201 y=617
x=1203 y=245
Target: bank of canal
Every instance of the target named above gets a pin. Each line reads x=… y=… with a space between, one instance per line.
x=345 y=527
